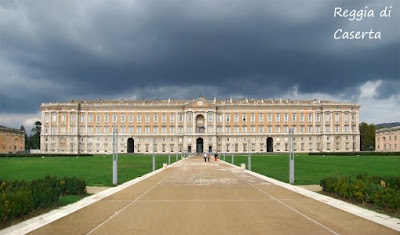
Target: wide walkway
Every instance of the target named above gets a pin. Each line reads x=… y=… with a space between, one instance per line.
x=197 y=197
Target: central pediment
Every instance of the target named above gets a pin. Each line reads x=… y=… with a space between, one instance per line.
x=199 y=103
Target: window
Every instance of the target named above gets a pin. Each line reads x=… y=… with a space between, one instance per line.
x=337 y=128
x=164 y=118
x=318 y=118
x=122 y=117
x=189 y=129
x=302 y=129
x=346 y=117
x=309 y=117
x=163 y=130
x=172 y=118
x=253 y=129
x=115 y=118
x=236 y=129
x=106 y=118
x=155 y=117
x=63 y=129
x=278 y=118
x=63 y=118
x=130 y=130
x=336 y=117
x=244 y=129
x=189 y=116
x=328 y=117
x=83 y=118
x=98 y=118
x=72 y=118
x=293 y=117
x=244 y=117
x=227 y=129
x=327 y=129
x=310 y=129
x=253 y=117
x=286 y=129
x=47 y=118
x=269 y=129
x=98 y=130
x=285 y=118
x=301 y=117
x=122 y=130
x=130 y=118
x=236 y=118
x=228 y=117
x=261 y=117
x=155 y=130
x=147 y=130
x=147 y=118
x=210 y=117
x=219 y=118
x=278 y=129
x=106 y=130
x=54 y=117
x=90 y=118
x=139 y=130
x=172 y=130
x=139 y=118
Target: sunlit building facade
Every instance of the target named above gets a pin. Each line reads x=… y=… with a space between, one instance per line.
x=11 y=140
x=199 y=125
x=387 y=139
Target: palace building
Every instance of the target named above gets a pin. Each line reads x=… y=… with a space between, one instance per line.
x=199 y=125
x=11 y=140
x=387 y=139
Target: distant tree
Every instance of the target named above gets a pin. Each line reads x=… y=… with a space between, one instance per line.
x=33 y=140
x=367 y=136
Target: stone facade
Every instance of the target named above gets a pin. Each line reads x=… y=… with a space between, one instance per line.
x=11 y=140
x=197 y=125
x=387 y=139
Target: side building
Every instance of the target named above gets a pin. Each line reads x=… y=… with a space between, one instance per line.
x=387 y=139
x=199 y=125
x=11 y=140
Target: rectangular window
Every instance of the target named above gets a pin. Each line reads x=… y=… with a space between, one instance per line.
x=63 y=118
x=172 y=118
x=130 y=130
x=286 y=129
x=180 y=118
x=244 y=117
x=328 y=117
x=147 y=130
x=346 y=117
x=236 y=118
x=210 y=117
x=155 y=117
x=130 y=118
x=278 y=118
x=336 y=117
x=219 y=118
x=253 y=129
x=115 y=118
x=285 y=118
x=155 y=130
x=172 y=130
x=139 y=130
x=293 y=117
x=228 y=117
x=106 y=118
x=147 y=118
x=278 y=129
x=47 y=118
x=189 y=117
x=309 y=117
x=310 y=129
x=236 y=129
x=98 y=118
x=253 y=117
x=139 y=118
x=269 y=129
x=106 y=130
x=122 y=117
x=54 y=117
x=318 y=118
x=244 y=129
x=163 y=130
x=122 y=130
x=261 y=117
x=72 y=118
x=302 y=129
x=98 y=130
x=90 y=118
x=164 y=118
x=301 y=117
x=83 y=118
x=227 y=129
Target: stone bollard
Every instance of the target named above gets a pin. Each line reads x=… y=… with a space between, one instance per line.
x=164 y=165
x=243 y=166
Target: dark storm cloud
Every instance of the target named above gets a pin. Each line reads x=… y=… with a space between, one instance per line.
x=257 y=49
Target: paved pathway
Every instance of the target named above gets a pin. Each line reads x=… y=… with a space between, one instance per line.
x=194 y=197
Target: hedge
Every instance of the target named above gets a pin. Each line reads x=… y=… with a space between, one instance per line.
x=45 y=155
x=384 y=192
x=357 y=153
x=20 y=197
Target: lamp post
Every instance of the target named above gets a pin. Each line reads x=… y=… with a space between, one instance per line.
x=291 y=156
x=248 y=155
x=115 y=155
x=154 y=154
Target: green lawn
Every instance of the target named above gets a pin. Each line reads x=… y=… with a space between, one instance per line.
x=311 y=169
x=96 y=170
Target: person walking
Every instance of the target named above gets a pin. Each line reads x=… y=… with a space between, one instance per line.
x=216 y=156
x=205 y=157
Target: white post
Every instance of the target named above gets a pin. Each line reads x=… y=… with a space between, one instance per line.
x=233 y=154
x=154 y=154
x=291 y=156
x=115 y=155
x=248 y=155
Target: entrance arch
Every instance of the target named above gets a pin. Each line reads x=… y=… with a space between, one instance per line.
x=131 y=145
x=199 y=145
x=270 y=144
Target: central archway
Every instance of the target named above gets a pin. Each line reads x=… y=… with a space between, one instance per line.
x=130 y=146
x=199 y=145
x=270 y=144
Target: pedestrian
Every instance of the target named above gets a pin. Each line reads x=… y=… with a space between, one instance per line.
x=205 y=157
x=208 y=157
x=216 y=156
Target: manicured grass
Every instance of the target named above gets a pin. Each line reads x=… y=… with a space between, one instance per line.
x=96 y=170
x=311 y=169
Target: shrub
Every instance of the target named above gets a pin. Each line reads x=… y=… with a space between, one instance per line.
x=381 y=191
x=72 y=186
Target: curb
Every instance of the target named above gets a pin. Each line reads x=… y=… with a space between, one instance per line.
x=378 y=218
x=51 y=216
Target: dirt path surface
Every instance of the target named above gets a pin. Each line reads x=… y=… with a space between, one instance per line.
x=197 y=197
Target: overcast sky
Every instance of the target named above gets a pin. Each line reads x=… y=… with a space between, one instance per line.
x=53 y=51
